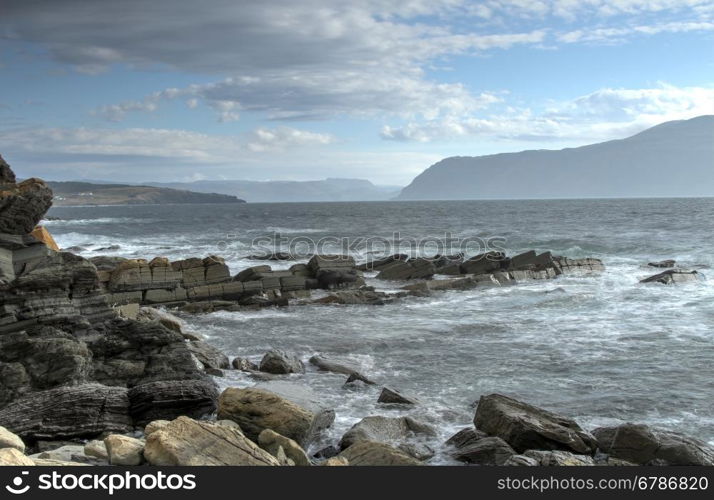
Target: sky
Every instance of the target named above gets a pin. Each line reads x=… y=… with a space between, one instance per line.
x=179 y=90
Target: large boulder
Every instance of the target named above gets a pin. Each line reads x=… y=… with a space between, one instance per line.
x=76 y=412
x=392 y=430
x=189 y=442
x=642 y=444
x=124 y=450
x=209 y=356
x=166 y=400
x=256 y=410
x=371 y=453
x=279 y=363
x=527 y=427
x=22 y=205
x=11 y=456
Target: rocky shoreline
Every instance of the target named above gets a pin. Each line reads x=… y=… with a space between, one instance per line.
x=91 y=373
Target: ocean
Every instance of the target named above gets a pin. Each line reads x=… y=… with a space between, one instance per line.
x=602 y=349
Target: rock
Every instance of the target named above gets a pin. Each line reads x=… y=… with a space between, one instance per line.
x=154 y=426
x=465 y=437
x=11 y=456
x=23 y=205
x=82 y=411
x=189 y=442
x=166 y=400
x=329 y=279
x=336 y=462
x=271 y=441
x=521 y=461
x=379 y=264
x=485 y=451
x=372 y=453
x=97 y=449
x=66 y=453
x=559 y=458
x=252 y=273
x=663 y=263
x=41 y=234
x=243 y=364
x=385 y=430
x=10 y=440
x=526 y=427
x=642 y=445
x=7 y=176
x=420 y=451
x=390 y=396
x=323 y=364
x=46 y=462
x=279 y=362
x=159 y=262
x=124 y=450
x=272 y=256
x=256 y=410
x=209 y=356
x=168 y=320
x=673 y=277
x=483 y=263
x=411 y=269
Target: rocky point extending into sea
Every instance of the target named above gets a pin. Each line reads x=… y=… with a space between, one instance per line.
x=92 y=373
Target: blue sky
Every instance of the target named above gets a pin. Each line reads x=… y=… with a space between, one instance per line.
x=223 y=89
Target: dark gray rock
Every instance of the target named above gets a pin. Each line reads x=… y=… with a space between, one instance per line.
x=419 y=268
x=663 y=263
x=485 y=451
x=483 y=263
x=23 y=205
x=465 y=437
x=279 y=363
x=673 y=277
x=385 y=430
x=209 y=356
x=82 y=411
x=324 y=364
x=390 y=396
x=244 y=365
x=167 y=400
x=527 y=427
x=643 y=445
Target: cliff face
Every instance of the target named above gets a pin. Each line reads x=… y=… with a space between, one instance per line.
x=671 y=159
x=60 y=340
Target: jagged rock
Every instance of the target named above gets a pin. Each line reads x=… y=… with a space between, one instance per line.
x=371 y=453
x=256 y=410
x=96 y=449
x=82 y=411
x=420 y=451
x=271 y=441
x=209 y=356
x=166 y=400
x=663 y=263
x=527 y=427
x=483 y=263
x=485 y=451
x=124 y=450
x=642 y=444
x=23 y=205
x=189 y=442
x=558 y=458
x=326 y=365
x=168 y=320
x=8 y=439
x=385 y=430
x=411 y=269
x=279 y=362
x=11 y=456
x=244 y=364
x=673 y=277
x=465 y=437
x=390 y=396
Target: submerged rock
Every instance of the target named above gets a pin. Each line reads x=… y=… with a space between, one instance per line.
x=663 y=263
x=526 y=427
x=673 y=277
x=390 y=396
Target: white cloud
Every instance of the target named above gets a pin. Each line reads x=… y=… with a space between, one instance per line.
x=617 y=35
x=601 y=115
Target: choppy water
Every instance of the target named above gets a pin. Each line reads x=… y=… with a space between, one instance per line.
x=602 y=349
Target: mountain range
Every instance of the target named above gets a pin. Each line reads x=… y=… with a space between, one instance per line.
x=672 y=159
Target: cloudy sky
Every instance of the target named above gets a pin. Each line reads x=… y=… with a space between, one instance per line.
x=137 y=90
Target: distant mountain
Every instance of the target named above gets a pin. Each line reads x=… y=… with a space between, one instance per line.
x=672 y=159
x=85 y=193
x=290 y=191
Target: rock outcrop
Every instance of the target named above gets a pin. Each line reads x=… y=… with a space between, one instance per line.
x=673 y=277
x=67 y=362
